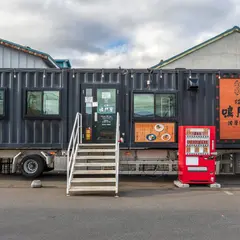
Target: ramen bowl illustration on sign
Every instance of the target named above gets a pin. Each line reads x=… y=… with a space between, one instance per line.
x=151 y=137
x=166 y=137
x=159 y=127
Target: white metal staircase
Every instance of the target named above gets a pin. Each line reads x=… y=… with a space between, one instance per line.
x=92 y=167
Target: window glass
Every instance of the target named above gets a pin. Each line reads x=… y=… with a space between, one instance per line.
x=40 y=103
x=106 y=109
x=165 y=105
x=51 y=102
x=89 y=92
x=1 y=102
x=88 y=104
x=34 y=103
x=143 y=105
x=106 y=99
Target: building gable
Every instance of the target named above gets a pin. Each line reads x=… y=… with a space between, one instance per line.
x=10 y=48
x=190 y=53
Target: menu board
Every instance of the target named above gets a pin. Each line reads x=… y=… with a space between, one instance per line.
x=197 y=141
x=155 y=132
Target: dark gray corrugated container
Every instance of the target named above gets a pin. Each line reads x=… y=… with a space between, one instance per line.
x=137 y=81
x=128 y=81
x=202 y=107
x=193 y=108
x=77 y=79
x=18 y=132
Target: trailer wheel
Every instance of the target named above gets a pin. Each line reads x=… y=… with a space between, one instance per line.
x=32 y=166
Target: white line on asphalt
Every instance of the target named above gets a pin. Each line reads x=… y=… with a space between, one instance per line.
x=228 y=193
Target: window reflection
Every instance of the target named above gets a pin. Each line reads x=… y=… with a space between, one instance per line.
x=34 y=103
x=165 y=105
x=43 y=103
x=143 y=105
x=154 y=104
x=51 y=103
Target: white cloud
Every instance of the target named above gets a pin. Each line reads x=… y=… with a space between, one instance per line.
x=80 y=29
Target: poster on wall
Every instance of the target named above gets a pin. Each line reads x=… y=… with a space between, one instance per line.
x=229 y=108
x=154 y=132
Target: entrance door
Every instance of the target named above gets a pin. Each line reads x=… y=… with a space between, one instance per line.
x=99 y=109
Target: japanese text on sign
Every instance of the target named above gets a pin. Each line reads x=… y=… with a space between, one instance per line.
x=229 y=95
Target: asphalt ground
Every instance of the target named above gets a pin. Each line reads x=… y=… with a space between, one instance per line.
x=144 y=182
x=144 y=211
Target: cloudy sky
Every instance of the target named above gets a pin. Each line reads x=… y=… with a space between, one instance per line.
x=113 y=33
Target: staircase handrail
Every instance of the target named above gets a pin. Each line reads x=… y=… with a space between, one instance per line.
x=75 y=140
x=117 y=143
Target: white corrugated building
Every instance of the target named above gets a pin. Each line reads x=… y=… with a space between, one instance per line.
x=13 y=55
x=219 y=52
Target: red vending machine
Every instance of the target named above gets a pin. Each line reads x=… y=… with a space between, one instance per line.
x=197 y=154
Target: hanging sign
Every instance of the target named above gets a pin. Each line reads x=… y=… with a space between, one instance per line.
x=229 y=108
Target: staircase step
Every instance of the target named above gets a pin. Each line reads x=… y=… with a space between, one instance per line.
x=90 y=157
x=94 y=172
x=98 y=164
x=96 y=150
x=90 y=180
x=92 y=188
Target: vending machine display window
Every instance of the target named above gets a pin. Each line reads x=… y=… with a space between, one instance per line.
x=197 y=141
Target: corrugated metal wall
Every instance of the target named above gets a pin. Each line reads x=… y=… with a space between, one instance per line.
x=199 y=108
x=77 y=79
x=193 y=108
x=11 y=58
x=138 y=80
x=17 y=132
x=222 y=54
x=135 y=79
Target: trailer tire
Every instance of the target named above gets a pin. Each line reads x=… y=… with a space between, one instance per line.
x=32 y=166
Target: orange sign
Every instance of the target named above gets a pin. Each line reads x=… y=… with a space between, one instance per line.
x=229 y=108
x=155 y=132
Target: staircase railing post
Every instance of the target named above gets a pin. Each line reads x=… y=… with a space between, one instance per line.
x=117 y=152
x=78 y=129
x=72 y=147
x=81 y=128
x=67 y=192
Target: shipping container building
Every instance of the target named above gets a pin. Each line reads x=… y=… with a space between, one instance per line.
x=38 y=108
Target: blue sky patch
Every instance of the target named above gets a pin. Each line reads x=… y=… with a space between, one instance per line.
x=116 y=43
